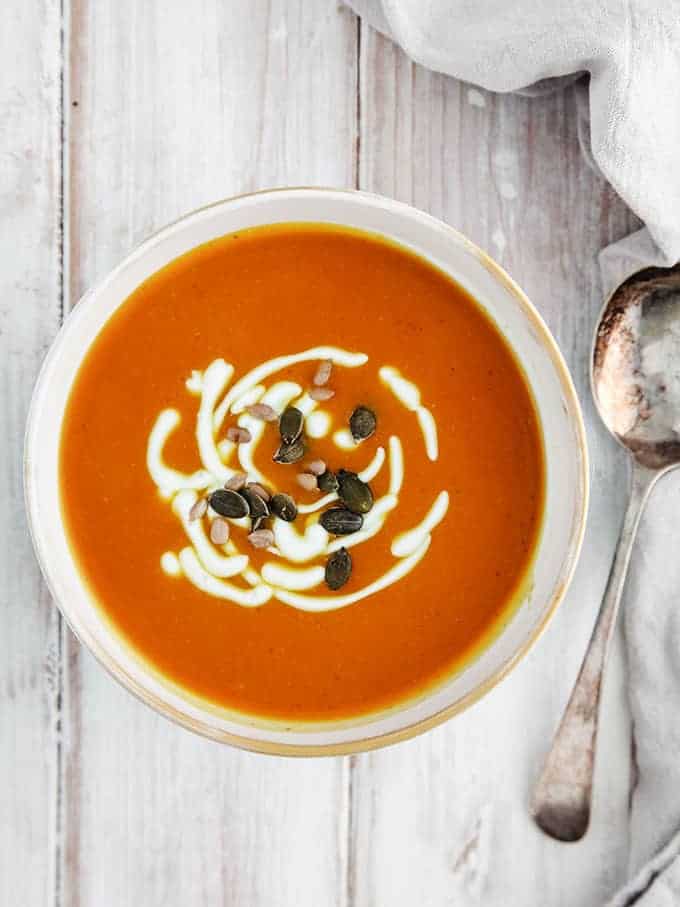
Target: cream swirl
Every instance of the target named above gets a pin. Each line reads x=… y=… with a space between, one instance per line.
x=290 y=575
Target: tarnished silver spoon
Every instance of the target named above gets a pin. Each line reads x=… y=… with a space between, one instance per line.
x=635 y=379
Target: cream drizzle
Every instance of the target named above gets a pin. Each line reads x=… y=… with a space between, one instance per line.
x=318 y=424
x=289 y=577
x=206 y=582
x=406 y=543
x=344 y=440
x=169 y=480
x=170 y=564
x=278 y=397
x=329 y=603
x=208 y=553
x=299 y=547
x=293 y=580
x=409 y=395
x=336 y=355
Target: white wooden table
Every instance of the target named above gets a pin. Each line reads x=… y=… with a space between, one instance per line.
x=115 y=117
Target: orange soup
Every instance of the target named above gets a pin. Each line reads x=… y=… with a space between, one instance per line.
x=302 y=473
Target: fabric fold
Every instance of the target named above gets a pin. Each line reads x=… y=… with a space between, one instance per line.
x=629 y=48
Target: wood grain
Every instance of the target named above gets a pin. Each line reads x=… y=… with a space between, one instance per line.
x=30 y=301
x=179 y=105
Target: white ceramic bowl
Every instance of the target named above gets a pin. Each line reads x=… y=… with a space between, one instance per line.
x=560 y=417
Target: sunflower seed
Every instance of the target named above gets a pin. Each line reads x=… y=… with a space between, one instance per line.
x=339 y=521
x=338 y=569
x=258 y=489
x=321 y=393
x=284 y=507
x=289 y=452
x=236 y=482
x=323 y=372
x=290 y=424
x=198 y=509
x=219 y=531
x=354 y=494
x=261 y=538
x=362 y=423
x=238 y=435
x=315 y=467
x=262 y=411
x=327 y=481
x=228 y=503
x=307 y=481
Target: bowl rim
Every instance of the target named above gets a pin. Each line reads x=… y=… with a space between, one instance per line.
x=419 y=726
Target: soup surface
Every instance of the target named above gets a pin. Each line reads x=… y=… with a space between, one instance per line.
x=435 y=486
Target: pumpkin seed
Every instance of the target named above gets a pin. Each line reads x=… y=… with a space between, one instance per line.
x=257 y=506
x=236 y=482
x=198 y=509
x=338 y=569
x=258 y=489
x=284 y=507
x=290 y=424
x=327 y=482
x=228 y=503
x=321 y=393
x=354 y=494
x=362 y=423
x=261 y=538
x=262 y=411
x=339 y=521
x=307 y=481
x=219 y=531
x=315 y=467
x=323 y=372
x=238 y=435
x=289 y=452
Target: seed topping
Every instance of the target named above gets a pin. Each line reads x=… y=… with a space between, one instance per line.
x=261 y=538
x=290 y=424
x=362 y=423
x=307 y=481
x=284 y=507
x=338 y=569
x=198 y=509
x=321 y=393
x=238 y=435
x=228 y=503
x=262 y=411
x=323 y=372
x=219 y=531
x=236 y=482
x=354 y=494
x=339 y=521
x=315 y=467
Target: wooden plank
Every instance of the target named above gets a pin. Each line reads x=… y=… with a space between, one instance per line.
x=443 y=819
x=177 y=105
x=30 y=293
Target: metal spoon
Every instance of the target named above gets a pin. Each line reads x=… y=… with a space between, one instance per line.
x=635 y=379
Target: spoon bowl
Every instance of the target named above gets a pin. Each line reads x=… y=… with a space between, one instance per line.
x=635 y=379
x=636 y=366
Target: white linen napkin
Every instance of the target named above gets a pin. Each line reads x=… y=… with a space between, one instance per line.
x=631 y=48
x=651 y=620
x=630 y=130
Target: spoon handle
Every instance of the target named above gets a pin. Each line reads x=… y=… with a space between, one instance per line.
x=561 y=800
